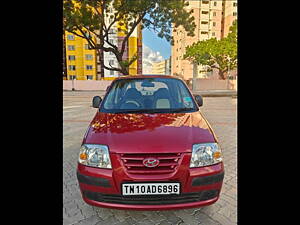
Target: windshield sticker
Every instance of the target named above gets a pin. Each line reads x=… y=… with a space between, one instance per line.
x=187 y=101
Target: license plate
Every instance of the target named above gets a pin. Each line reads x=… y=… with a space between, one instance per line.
x=150 y=188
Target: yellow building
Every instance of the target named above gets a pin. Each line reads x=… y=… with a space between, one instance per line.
x=84 y=64
x=80 y=60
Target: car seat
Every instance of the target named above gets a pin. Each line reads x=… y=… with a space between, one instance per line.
x=132 y=97
x=162 y=99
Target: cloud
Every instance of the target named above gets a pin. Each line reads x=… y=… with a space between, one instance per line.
x=150 y=57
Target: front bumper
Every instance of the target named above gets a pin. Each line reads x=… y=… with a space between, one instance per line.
x=199 y=187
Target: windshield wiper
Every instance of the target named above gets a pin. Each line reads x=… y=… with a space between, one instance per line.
x=155 y=110
x=139 y=111
x=181 y=110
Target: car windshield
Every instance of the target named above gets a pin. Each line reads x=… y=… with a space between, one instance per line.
x=148 y=95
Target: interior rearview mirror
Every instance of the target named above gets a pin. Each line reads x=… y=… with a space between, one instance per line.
x=147 y=84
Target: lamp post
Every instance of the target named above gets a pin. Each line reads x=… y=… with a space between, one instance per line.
x=228 y=69
x=195 y=68
x=73 y=89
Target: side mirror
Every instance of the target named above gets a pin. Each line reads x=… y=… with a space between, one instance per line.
x=199 y=100
x=96 y=101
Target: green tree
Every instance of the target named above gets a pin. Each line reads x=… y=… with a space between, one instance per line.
x=85 y=18
x=220 y=54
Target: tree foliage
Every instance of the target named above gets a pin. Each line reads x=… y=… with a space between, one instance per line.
x=220 y=54
x=87 y=18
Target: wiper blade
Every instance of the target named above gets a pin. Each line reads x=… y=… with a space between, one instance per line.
x=156 y=110
x=139 y=111
x=181 y=110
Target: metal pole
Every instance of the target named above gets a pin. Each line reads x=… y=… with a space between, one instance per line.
x=228 y=69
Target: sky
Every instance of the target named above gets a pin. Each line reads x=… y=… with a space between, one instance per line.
x=155 y=49
x=157 y=44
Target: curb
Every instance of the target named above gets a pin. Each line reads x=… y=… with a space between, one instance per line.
x=216 y=93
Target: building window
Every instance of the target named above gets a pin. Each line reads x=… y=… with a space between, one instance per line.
x=72 y=77
x=87 y=47
x=214 y=24
x=87 y=34
x=71 y=47
x=204 y=12
x=234 y=13
x=71 y=57
x=204 y=32
x=71 y=37
x=235 y=4
x=89 y=67
x=72 y=67
x=205 y=2
x=215 y=3
x=89 y=57
x=214 y=13
x=89 y=77
x=213 y=34
x=204 y=22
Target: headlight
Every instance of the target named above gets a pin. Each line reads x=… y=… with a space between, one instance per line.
x=205 y=154
x=94 y=155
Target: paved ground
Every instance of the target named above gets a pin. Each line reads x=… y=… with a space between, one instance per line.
x=77 y=113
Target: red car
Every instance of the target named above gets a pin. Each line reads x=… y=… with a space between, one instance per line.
x=149 y=148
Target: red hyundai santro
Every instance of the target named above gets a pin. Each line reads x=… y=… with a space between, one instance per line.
x=149 y=148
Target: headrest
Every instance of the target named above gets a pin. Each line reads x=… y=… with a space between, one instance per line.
x=162 y=93
x=132 y=93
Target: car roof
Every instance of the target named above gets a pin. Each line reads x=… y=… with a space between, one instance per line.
x=145 y=76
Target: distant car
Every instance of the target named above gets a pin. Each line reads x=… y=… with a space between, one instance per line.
x=149 y=148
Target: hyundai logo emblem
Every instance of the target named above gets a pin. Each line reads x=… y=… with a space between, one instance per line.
x=151 y=162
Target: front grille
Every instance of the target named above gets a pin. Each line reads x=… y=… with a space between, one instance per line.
x=168 y=162
x=153 y=199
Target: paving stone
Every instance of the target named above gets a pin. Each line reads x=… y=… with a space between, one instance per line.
x=165 y=222
x=223 y=219
x=92 y=220
x=187 y=218
x=109 y=221
x=221 y=114
x=127 y=221
x=145 y=222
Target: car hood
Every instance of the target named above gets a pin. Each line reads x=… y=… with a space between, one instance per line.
x=149 y=133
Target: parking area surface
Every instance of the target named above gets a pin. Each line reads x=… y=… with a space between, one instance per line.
x=221 y=112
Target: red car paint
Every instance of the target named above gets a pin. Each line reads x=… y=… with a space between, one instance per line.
x=153 y=134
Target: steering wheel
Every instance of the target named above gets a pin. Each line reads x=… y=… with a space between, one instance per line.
x=129 y=103
x=133 y=102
